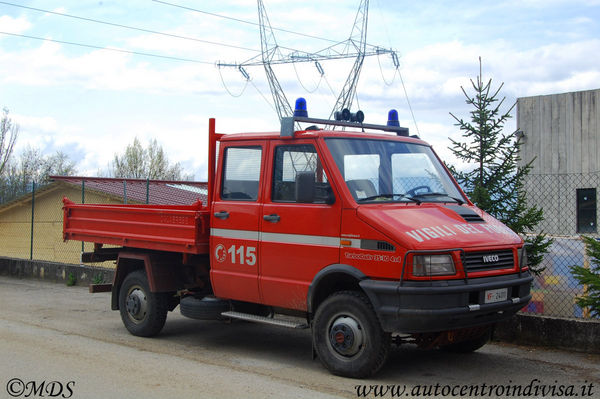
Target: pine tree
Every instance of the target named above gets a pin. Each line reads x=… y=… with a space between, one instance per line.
x=590 y=277
x=494 y=180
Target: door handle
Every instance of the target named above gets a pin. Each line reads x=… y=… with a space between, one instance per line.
x=273 y=218
x=222 y=215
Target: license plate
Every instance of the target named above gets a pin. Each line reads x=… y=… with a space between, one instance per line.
x=498 y=295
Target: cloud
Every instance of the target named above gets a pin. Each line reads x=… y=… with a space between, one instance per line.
x=545 y=4
x=61 y=10
x=49 y=65
x=44 y=124
x=14 y=25
x=46 y=133
x=434 y=75
x=555 y=68
x=171 y=101
x=437 y=71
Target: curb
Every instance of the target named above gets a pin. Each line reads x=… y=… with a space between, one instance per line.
x=55 y=272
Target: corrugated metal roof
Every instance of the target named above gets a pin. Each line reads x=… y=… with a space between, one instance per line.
x=138 y=190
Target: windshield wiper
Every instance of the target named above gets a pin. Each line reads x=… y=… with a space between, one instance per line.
x=373 y=197
x=458 y=200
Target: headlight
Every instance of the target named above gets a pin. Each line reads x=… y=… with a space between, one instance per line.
x=433 y=265
x=523 y=257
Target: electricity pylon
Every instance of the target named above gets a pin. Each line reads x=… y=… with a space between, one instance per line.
x=354 y=47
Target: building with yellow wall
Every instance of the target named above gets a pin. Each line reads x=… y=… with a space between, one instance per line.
x=16 y=224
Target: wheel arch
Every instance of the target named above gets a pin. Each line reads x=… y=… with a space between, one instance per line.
x=336 y=277
x=160 y=268
x=126 y=263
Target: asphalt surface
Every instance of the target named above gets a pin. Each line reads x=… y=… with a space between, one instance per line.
x=56 y=338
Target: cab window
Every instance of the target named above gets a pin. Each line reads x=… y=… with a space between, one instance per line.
x=241 y=173
x=294 y=162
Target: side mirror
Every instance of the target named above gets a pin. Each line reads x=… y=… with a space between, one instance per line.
x=330 y=200
x=305 y=186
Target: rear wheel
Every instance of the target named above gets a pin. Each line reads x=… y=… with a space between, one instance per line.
x=143 y=312
x=348 y=337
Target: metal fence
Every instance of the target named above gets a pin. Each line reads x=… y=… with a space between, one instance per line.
x=554 y=290
x=31 y=225
x=570 y=208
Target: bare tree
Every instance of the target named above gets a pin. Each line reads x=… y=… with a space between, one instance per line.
x=8 y=137
x=58 y=164
x=145 y=163
x=32 y=166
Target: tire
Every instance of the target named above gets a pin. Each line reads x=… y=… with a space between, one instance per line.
x=207 y=308
x=470 y=345
x=348 y=337
x=143 y=312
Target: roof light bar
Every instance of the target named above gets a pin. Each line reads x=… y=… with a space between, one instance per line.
x=287 y=125
x=343 y=118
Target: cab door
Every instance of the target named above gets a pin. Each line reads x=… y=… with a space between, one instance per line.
x=299 y=231
x=235 y=221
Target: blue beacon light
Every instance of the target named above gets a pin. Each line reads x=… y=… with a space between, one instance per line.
x=300 y=109
x=393 y=118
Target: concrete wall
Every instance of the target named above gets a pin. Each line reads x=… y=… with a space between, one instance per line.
x=562 y=131
x=570 y=334
x=562 y=137
x=54 y=271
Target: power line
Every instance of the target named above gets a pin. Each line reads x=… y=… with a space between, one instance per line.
x=108 y=48
x=243 y=21
x=229 y=91
x=396 y=64
x=262 y=95
x=131 y=27
x=408 y=101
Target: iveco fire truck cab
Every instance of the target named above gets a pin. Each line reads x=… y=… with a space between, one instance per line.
x=363 y=233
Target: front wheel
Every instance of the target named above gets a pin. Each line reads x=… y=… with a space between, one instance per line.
x=348 y=337
x=143 y=312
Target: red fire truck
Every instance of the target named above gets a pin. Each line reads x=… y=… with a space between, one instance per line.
x=361 y=235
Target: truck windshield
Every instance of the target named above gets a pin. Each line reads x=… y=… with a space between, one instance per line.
x=392 y=171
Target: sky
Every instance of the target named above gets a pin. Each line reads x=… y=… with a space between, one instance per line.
x=90 y=102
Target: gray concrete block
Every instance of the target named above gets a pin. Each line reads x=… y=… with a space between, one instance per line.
x=571 y=334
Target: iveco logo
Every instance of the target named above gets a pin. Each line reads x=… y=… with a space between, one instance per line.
x=490 y=258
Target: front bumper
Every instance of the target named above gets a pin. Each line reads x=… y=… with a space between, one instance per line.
x=417 y=307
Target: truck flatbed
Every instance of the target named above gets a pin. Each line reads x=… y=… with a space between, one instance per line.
x=175 y=228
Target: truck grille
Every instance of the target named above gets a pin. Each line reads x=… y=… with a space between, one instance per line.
x=488 y=260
